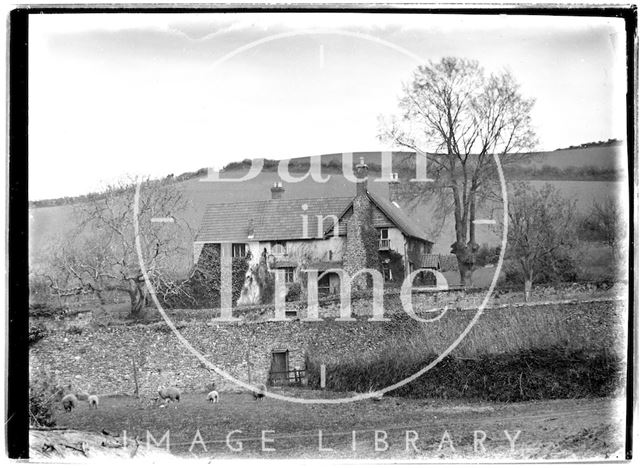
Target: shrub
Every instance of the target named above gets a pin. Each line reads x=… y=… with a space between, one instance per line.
x=487 y=255
x=394 y=261
x=294 y=293
x=559 y=268
x=526 y=375
x=36 y=333
x=42 y=397
x=46 y=310
x=202 y=288
x=75 y=330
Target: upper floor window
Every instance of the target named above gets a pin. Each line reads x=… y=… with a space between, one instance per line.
x=278 y=248
x=239 y=250
x=383 y=243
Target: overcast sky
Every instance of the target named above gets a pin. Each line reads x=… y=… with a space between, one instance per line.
x=154 y=94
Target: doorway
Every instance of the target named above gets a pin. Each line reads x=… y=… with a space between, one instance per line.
x=279 y=372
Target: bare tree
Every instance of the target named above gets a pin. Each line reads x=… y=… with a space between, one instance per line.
x=457 y=117
x=606 y=222
x=541 y=227
x=101 y=253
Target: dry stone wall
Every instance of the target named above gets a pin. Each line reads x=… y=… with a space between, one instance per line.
x=101 y=359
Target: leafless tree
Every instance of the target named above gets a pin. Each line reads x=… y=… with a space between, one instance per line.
x=458 y=117
x=100 y=255
x=606 y=222
x=541 y=225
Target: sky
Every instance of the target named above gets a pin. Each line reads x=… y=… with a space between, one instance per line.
x=117 y=95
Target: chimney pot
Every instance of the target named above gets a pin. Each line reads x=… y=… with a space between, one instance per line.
x=394 y=188
x=362 y=173
x=277 y=190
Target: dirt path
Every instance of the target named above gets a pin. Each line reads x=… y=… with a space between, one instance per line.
x=403 y=428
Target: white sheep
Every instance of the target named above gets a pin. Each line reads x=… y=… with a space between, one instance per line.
x=69 y=402
x=170 y=393
x=259 y=395
x=213 y=396
x=93 y=401
x=82 y=396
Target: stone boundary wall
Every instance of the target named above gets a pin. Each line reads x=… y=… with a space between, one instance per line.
x=100 y=360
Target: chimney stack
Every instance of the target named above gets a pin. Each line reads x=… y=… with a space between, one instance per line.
x=362 y=172
x=277 y=190
x=394 y=188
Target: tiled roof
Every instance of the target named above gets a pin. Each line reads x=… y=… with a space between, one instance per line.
x=279 y=219
x=395 y=214
x=430 y=261
x=284 y=264
x=323 y=266
x=439 y=262
x=448 y=263
x=399 y=217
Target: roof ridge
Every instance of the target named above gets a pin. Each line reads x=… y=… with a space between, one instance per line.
x=277 y=200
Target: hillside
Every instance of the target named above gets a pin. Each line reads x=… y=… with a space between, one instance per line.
x=604 y=161
x=49 y=222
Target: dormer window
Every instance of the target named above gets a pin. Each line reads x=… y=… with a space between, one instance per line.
x=278 y=248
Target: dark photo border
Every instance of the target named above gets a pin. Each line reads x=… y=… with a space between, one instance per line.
x=17 y=320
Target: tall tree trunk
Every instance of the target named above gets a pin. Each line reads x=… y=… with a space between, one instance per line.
x=466 y=271
x=466 y=255
x=528 y=283
x=137 y=296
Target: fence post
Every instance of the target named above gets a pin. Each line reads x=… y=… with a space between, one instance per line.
x=323 y=376
x=135 y=377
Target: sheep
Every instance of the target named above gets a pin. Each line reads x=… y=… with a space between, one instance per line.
x=93 y=401
x=170 y=393
x=259 y=395
x=213 y=396
x=82 y=396
x=69 y=402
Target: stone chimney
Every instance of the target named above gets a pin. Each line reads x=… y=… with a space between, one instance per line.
x=361 y=250
x=394 y=188
x=277 y=190
x=362 y=172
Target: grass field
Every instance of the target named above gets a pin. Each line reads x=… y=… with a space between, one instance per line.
x=548 y=429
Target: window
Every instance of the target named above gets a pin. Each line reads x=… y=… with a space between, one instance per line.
x=290 y=313
x=384 y=239
x=278 y=248
x=289 y=274
x=239 y=250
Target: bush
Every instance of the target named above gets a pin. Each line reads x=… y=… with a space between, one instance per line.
x=36 y=333
x=526 y=375
x=487 y=255
x=75 y=330
x=561 y=268
x=42 y=397
x=394 y=261
x=202 y=288
x=46 y=310
x=294 y=293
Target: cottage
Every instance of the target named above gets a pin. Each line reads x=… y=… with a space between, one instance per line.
x=320 y=233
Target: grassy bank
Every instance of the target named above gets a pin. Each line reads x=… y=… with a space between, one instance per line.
x=528 y=375
x=512 y=354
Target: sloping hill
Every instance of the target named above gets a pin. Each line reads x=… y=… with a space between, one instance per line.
x=49 y=222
